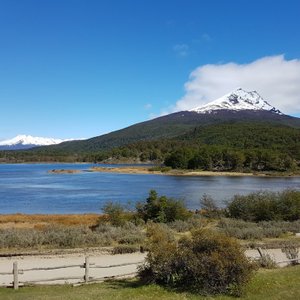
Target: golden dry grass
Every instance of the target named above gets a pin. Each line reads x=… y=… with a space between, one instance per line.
x=40 y=220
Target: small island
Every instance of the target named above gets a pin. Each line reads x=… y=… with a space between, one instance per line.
x=64 y=171
x=163 y=171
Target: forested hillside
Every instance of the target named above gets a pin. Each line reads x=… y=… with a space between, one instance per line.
x=228 y=146
x=169 y=126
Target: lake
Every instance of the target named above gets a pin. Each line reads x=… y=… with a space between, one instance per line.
x=28 y=188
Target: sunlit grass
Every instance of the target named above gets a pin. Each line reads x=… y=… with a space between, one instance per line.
x=274 y=284
x=29 y=221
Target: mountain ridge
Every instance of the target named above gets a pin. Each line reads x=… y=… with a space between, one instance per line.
x=23 y=141
x=170 y=126
x=177 y=124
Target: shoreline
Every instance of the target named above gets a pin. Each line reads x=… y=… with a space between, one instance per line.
x=147 y=171
x=144 y=169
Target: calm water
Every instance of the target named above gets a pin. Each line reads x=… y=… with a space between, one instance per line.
x=28 y=188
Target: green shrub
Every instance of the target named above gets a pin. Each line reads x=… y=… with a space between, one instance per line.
x=70 y=237
x=209 y=208
x=252 y=231
x=206 y=263
x=194 y=222
x=127 y=234
x=124 y=249
x=162 y=209
x=266 y=206
x=50 y=236
x=160 y=169
x=115 y=212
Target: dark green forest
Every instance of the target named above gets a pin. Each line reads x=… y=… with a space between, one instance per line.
x=230 y=146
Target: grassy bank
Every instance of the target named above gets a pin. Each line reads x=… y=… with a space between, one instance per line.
x=267 y=284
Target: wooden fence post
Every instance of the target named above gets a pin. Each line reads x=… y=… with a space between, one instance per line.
x=260 y=252
x=87 y=268
x=16 y=277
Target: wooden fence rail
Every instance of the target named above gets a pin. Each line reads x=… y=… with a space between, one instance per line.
x=5 y=273
x=52 y=268
x=113 y=266
x=262 y=255
x=84 y=278
x=287 y=261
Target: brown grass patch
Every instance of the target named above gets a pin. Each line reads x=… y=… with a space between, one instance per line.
x=42 y=220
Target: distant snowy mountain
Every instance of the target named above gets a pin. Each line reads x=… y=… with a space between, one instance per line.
x=236 y=101
x=28 y=141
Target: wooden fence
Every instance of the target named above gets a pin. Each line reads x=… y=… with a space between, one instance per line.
x=289 y=261
x=87 y=266
x=85 y=278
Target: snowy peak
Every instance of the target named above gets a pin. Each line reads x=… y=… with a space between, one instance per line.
x=238 y=100
x=28 y=141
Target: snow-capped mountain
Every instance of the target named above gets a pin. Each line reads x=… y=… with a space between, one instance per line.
x=236 y=101
x=28 y=141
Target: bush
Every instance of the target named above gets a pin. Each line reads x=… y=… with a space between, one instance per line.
x=70 y=237
x=162 y=209
x=251 y=231
x=209 y=208
x=206 y=263
x=115 y=212
x=266 y=261
x=127 y=234
x=160 y=169
x=124 y=249
x=266 y=206
x=195 y=222
x=49 y=236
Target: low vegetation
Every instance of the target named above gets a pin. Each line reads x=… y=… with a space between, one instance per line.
x=23 y=220
x=255 y=217
x=266 y=206
x=162 y=209
x=191 y=253
x=205 y=263
x=246 y=230
x=54 y=237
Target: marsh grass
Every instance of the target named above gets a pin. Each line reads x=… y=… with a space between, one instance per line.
x=59 y=236
x=27 y=221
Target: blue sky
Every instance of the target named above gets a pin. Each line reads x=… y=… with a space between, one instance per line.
x=72 y=69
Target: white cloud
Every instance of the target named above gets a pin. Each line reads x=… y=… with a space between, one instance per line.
x=148 y=106
x=181 y=50
x=275 y=78
x=206 y=37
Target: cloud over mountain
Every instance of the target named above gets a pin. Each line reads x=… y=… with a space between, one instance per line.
x=274 y=77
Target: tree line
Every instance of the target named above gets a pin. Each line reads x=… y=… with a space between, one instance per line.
x=231 y=146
